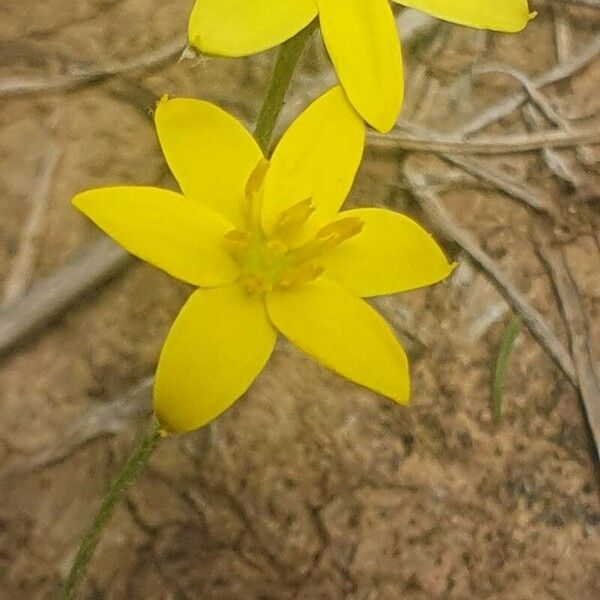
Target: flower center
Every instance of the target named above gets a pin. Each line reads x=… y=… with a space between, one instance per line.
x=274 y=261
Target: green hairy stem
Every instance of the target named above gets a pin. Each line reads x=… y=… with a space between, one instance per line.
x=287 y=59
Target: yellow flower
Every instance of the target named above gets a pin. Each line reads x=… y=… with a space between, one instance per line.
x=270 y=251
x=360 y=36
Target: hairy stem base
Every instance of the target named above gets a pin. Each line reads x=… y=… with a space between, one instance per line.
x=119 y=486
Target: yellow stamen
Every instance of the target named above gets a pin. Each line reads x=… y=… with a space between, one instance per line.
x=302 y=273
x=273 y=260
x=253 y=191
x=255 y=181
x=237 y=236
x=339 y=231
x=291 y=220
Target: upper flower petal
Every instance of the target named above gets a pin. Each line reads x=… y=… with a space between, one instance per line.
x=175 y=234
x=362 y=40
x=508 y=15
x=344 y=333
x=316 y=159
x=217 y=346
x=391 y=254
x=209 y=152
x=234 y=28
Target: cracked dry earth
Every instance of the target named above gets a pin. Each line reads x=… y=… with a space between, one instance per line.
x=309 y=487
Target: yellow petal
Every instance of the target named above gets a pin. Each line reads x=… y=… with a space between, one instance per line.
x=169 y=231
x=344 y=333
x=362 y=40
x=217 y=346
x=508 y=15
x=234 y=28
x=392 y=253
x=316 y=159
x=209 y=152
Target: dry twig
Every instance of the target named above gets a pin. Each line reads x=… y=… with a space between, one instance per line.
x=79 y=75
x=504 y=107
x=563 y=37
x=47 y=299
x=97 y=421
x=449 y=229
x=592 y=3
x=576 y=323
x=487 y=145
x=553 y=159
x=513 y=187
x=542 y=104
x=21 y=268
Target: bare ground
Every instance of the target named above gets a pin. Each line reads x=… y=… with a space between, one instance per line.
x=309 y=487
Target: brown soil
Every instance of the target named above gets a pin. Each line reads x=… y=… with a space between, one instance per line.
x=309 y=488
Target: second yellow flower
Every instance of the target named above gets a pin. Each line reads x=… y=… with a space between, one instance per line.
x=360 y=36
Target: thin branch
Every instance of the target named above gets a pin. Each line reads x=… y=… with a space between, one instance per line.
x=96 y=421
x=563 y=36
x=22 y=265
x=79 y=75
x=533 y=93
x=504 y=107
x=531 y=317
x=553 y=159
x=592 y=3
x=539 y=100
x=514 y=188
x=486 y=145
x=576 y=322
x=47 y=299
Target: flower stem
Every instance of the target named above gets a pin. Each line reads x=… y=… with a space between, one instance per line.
x=119 y=486
x=287 y=59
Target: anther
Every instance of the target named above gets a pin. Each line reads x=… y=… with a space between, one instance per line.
x=254 y=285
x=255 y=181
x=253 y=191
x=237 y=241
x=303 y=273
x=337 y=232
x=291 y=220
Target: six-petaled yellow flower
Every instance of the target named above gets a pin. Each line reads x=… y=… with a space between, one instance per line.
x=270 y=251
x=360 y=36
